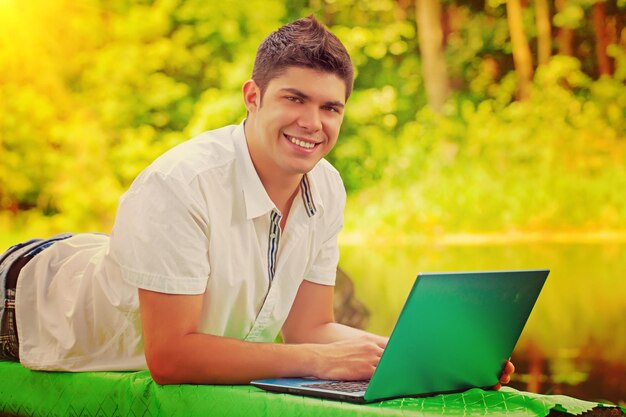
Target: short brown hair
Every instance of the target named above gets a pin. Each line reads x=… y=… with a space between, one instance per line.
x=302 y=43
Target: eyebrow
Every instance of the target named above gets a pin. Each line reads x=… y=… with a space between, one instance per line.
x=304 y=96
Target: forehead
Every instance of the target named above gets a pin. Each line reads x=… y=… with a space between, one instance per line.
x=322 y=85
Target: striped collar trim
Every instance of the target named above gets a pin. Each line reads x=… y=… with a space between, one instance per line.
x=307 y=196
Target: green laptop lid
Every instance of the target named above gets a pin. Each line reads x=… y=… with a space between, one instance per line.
x=455 y=332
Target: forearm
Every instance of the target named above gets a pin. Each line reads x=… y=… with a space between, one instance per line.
x=177 y=354
x=311 y=319
x=205 y=359
x=331 y=332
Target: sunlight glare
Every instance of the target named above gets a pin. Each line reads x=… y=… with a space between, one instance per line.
x=8 y=13
x=6 y=4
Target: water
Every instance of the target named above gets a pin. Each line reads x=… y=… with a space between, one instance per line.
x=575 y=340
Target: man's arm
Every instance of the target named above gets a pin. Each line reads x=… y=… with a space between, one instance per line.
x=312 y=319
x=176 y=353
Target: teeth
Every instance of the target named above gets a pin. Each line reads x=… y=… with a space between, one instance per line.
x=300 y=143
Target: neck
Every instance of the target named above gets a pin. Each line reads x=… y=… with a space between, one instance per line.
x=281 y=190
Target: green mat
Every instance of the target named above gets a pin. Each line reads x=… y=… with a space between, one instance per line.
x=30 y=393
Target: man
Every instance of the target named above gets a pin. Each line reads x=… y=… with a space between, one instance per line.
x=220 y=244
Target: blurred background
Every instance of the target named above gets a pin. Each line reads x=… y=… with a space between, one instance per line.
x=480 y=135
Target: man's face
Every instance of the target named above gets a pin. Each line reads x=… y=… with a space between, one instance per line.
x=297 y=122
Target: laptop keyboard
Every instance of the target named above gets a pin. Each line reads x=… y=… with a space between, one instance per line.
x=343 y=386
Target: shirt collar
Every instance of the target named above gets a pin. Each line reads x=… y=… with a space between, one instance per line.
x=257 y=201
x=310 y=196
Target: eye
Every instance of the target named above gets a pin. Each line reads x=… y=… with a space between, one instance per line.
x=294 y=99
x=331 y=109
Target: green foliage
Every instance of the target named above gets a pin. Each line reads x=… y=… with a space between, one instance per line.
x=555 y=161
x=127 y=81
x=573 y=14
x=87 y=103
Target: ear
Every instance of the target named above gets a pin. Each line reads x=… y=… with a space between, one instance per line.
x=251 y=96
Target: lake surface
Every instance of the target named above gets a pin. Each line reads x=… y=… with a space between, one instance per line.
x=575 y=340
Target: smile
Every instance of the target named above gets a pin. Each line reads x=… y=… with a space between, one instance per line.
x=300 y=143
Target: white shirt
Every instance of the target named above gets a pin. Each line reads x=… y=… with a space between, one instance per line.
x=196 y=221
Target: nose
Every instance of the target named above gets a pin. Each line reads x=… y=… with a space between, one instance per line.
x=309 y=119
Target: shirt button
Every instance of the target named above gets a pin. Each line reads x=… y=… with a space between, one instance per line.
x=273 y=235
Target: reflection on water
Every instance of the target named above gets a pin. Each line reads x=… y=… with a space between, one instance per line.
x=575 y=340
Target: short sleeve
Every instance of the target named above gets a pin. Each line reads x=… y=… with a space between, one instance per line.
x=324 y=267
x=160 y=236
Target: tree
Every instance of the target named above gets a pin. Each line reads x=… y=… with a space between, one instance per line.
x=598 y=13
x=544 y=38
x=430 y=34
x=521 y=50
x=565 y=36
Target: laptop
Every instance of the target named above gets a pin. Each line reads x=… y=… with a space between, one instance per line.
x=455 y=332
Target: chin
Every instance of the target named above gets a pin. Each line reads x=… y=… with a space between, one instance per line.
x=301 y=169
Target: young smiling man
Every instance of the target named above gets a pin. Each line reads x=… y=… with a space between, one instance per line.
x=219 y=245
x=291 y=127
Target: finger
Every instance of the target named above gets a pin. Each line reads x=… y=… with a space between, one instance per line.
x=505 y=379
x=509 y=368
x=382 y=342
x=497 y=386
x=375 y=360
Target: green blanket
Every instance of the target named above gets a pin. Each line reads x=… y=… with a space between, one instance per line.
x=30 y=393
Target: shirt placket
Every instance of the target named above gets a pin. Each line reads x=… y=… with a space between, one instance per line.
x=270 y=299
x=272 y=246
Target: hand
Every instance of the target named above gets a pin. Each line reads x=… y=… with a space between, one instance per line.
x=505 y=376
x=350 y=359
